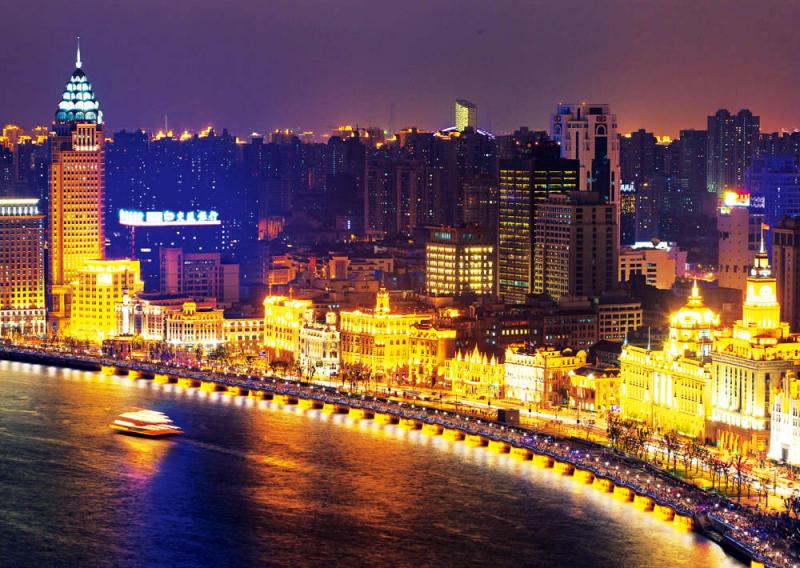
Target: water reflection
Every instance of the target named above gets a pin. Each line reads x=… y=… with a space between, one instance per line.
x=255 y=483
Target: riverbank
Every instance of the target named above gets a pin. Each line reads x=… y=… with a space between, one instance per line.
x=626 y=479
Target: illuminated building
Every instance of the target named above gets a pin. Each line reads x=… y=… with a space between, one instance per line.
x=541 y=376
x=283 y=318
x=244 y=335
x=670 y=388
x=99 y=286
x=378 y=339
x=198 y=275
x=594 y=389
x=588 y=133
x=319 y=348
x=525 y=183
x=784 y=438
x=576 y=249
x=617 y=317
x=466 y=115
x=786 y=266
x=195 y=327
x=76 y=190
x=458 y=262
x=627 y=213
x=429 y=346
x=475 y=376
x=731 y=143
x=748 y=361
x=22 y=301
x=659 y=263
x=738 y=239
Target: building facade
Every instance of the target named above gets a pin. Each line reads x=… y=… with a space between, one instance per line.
x=99 y=287
x=476 y=376
x=319 y=348
x=670 y=388
x=283 y=319
x=76 y=230
x=194 y=327
x=576 y=250
x=22 y=290
x=458 y=262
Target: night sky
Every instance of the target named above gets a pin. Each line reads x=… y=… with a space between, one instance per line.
x=261 y=64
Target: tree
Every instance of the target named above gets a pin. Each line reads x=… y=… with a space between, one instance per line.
x=672 y=443
x=739 y=464
x=615 y=429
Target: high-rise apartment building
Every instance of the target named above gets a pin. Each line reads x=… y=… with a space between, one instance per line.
x=22 y=300
x=76 y=189
x=588 y=133
x=738 y=228
x=731 y=143
x=199 y=275
x=524 y=183
x=576 y=252
x=458 y=262
x=466 y=115
x=786 y=265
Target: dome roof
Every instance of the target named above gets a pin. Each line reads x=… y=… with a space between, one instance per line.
x=695 y=314
x=78 y=102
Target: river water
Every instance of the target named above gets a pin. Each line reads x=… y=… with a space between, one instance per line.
x=254 y=484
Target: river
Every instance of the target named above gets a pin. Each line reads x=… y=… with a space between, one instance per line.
x=254 y=484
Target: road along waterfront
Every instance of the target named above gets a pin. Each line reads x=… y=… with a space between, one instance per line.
x=628 y=481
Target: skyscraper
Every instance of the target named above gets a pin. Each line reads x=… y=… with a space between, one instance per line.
x=76 y=189
x=576 y=251
x=524 y=183
x=466 y=115
x=22 y=302
x=588 y=133
x=786 y=264
x=732 y=142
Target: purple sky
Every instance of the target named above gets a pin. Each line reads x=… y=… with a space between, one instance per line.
x=261 y=64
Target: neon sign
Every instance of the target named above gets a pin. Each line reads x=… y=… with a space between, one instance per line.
x=134 y=218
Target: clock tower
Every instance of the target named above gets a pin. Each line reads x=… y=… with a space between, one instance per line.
x=761 y=313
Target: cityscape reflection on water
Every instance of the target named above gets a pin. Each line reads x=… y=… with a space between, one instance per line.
x=254 y=483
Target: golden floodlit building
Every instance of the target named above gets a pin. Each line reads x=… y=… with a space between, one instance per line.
x=77 y=183
x=99 y=287
x=670 y=388
x=754 y=356
x=378 y=339
x=540 y=376
x=476 y=376
x=784 y=443
x=283 y=318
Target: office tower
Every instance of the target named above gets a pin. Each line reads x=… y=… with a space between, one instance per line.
x=748 y=362
x=524 y=183
x=693 y=170
x=466 y=115
x=199 y=275
x=100 y=285
x=459 y=262
x=774 y=183
x=627 y=213
x=76 y=189
x=22 y=298
x=480 y=205
x=738 y=229
x=588 y=133
x=731 y=144
x=575 y=246
x=786 y=266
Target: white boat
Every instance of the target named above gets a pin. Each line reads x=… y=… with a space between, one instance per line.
x=149 y=423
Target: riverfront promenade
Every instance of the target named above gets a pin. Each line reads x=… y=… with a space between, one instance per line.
x=743 y=532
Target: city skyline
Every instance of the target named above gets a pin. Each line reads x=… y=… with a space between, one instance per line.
x=283 y=66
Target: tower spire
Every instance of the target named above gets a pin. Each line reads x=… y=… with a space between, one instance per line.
x=78 y=61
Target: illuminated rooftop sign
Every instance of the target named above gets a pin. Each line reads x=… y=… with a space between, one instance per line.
x=133 y=218
x=736 y=199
